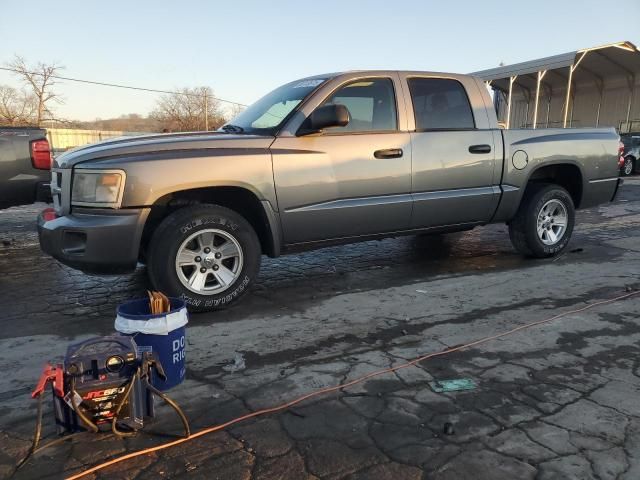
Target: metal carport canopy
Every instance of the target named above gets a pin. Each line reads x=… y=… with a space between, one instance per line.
x=563 y=71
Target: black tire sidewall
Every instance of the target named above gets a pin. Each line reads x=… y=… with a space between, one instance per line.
x=181 y=224
x=536 y=202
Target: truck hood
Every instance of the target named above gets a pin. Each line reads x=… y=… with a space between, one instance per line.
x=159 y=143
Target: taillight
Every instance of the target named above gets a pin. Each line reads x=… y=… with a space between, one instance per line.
x=49 y=214
x=41 y=154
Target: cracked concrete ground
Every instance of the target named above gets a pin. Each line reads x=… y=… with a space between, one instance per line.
x=556 y=401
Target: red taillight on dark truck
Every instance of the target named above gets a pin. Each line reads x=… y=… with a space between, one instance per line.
x=41 y=154
x=49 y=214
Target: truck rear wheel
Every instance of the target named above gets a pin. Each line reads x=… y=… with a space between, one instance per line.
x=207 y=255
x=544 y=223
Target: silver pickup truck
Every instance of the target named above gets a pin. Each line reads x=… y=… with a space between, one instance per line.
x=334 y=158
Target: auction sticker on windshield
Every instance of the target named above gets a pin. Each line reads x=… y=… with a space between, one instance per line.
x=309 y=83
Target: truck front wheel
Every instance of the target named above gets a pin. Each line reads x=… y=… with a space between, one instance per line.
x=206 y=254
x=544 y=222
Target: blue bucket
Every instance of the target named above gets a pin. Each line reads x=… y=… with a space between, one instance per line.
x=162 y=334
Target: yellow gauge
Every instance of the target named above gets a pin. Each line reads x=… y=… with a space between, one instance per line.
x=115 y=363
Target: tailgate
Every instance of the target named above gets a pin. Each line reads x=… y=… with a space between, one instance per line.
x=19 y=181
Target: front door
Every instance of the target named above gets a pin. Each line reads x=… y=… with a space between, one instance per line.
x=454 y=162
x=347 y=181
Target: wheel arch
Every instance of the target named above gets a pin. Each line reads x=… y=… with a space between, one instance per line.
x=259 y=213
x=567 y=174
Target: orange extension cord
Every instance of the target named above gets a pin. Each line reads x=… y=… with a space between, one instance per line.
x=322 y=391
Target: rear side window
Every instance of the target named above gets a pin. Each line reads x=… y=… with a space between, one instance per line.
x=371 y=104
x=440 y=104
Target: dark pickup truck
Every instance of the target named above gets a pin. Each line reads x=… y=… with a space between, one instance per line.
x=25 y=166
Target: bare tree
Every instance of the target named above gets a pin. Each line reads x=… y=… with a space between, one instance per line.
x=234 y=110
x=40 y=78
x=131 y=122
x=17 y=107
x=184 y=110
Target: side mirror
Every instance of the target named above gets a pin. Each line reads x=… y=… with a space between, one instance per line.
x=326 y=116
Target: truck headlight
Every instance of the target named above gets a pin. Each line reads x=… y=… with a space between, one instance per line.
x=97 y=188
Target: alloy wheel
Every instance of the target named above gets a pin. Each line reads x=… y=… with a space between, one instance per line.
x=552 y=222
x=628 y=166
x=209 y=261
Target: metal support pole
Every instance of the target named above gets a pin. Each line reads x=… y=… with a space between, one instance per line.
x=541 y=75
x=568 y=99
x=599 y=105
x=572 y=69
x=206 y=112
x=549 y=106
x=573 y=104
x=632 y=85
x=511 y=80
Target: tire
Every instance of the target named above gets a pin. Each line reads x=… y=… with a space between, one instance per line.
x=231 y=263
x=523 y=229
x=629 y=166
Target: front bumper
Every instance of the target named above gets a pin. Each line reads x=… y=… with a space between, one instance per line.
x=99 y=241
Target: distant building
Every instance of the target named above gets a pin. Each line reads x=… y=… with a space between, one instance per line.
x=591 y=87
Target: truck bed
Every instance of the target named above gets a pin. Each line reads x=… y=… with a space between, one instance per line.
x=584 y=155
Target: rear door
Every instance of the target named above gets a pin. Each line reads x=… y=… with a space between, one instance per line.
x=347 y=181
x=455 y=162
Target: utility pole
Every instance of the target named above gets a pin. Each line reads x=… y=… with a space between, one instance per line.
x=206 y=111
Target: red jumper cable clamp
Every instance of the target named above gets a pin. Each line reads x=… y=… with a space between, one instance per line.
x=52 y=374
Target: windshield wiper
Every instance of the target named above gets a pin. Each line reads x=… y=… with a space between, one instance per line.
x=232 y=128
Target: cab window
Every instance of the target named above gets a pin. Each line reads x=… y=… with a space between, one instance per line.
x=440 y=104
x=371 y=104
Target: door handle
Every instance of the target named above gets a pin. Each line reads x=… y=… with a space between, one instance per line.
x=480 y=149
x=388 y=153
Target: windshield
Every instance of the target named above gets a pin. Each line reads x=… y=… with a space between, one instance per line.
x=268 y=113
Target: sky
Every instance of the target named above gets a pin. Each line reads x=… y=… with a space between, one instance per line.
x=243 y=49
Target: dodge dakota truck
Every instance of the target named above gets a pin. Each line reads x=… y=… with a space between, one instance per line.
x=25 y=163
x=328 y=159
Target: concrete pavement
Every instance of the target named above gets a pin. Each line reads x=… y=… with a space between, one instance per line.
x=555 y=401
